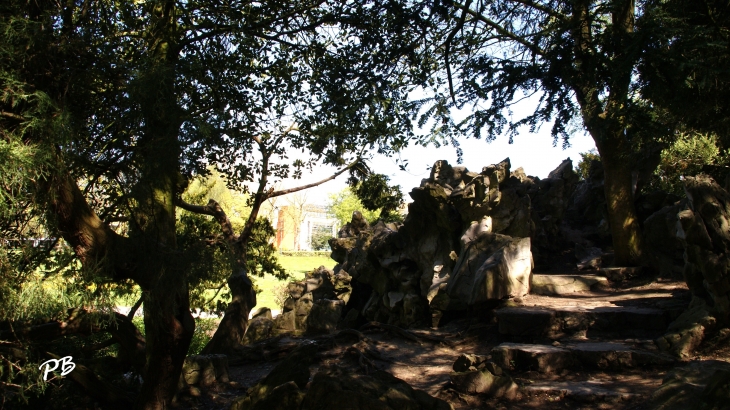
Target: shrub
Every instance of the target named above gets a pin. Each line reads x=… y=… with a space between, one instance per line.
x=584 y=165
x=686 y=157
x=204 y=329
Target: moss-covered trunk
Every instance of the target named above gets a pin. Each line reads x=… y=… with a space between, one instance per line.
x=619 y=190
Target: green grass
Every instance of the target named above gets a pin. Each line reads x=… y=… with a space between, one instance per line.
x=296 y=267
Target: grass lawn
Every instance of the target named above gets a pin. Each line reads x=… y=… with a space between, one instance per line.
x=296 y=266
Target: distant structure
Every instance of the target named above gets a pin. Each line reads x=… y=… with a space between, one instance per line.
x=295 y=227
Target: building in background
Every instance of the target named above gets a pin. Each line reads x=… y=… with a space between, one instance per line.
x=296 y=226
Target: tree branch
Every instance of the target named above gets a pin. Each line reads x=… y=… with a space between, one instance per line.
x=213 y=209
x=501 y=30
x=314 y=184
x=93 y=241
x=550 y=12
x=12 y=115
x=447 y=48
x=134 y=308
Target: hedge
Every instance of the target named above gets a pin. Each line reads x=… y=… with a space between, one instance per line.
x=305 y=253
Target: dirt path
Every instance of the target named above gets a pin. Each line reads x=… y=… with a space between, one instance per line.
x=426 y=364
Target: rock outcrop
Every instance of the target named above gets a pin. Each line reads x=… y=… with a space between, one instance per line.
x=468 y=241
x=204 y=370
x=315 y=304
x=408 y=274
x=704 y=229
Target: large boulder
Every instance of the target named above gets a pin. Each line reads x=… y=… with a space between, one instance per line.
x=493 y=267
x=324 y=316
x=323 y=293
x=334 y=386
x=484 y=382
x=259 y=327
x=662 y=247
x=281 y=388
x=204 y=370
x=704 y=230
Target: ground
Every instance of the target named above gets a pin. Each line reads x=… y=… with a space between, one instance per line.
x=425 y=363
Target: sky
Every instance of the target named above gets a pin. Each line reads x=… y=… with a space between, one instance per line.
x=534 y=152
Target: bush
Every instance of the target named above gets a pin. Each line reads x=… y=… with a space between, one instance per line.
x=204 y=329
x=686 y=157
x=320 y=238
x=584 y=165
x=305 y=253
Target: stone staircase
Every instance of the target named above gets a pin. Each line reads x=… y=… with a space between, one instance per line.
x=575 y=335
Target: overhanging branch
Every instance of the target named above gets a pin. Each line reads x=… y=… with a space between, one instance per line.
x=501 y=30
x=314 y=184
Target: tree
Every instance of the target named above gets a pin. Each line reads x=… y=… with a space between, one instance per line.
x=294 y=214
x=344 y=203
x=580 y=58
x=685 y=71
x=687 y=156
x=320 y=238
x=128 y=101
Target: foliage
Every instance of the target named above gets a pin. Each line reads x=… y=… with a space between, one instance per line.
x=685 y=69
x=320 y=238
x=342 y=204
x=686 y=157
x=375 y=193
x=204 y=328
x=281 y=294
x=584 y=165
x=373 y=190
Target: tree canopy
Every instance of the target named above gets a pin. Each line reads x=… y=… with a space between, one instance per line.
x=109 y=109
x=578 y=59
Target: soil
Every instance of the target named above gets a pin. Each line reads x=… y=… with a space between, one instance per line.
x=426 y=363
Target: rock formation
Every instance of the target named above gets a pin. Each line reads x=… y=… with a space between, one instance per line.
x=314 y=305
x=467 y=241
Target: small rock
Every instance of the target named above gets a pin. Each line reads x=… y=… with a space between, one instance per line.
x=483 y=381
x=466 y=361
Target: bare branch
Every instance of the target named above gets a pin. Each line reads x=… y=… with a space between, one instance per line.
x=550 y=12
x=501 y=30
x=12 y=115
x=447 y=46
x=213 y=209
x=314 y=184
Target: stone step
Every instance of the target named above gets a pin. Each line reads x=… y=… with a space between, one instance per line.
x=584 y=391
x=544 y=284
x=551 y=359
x=556 y=322
x=619 y=274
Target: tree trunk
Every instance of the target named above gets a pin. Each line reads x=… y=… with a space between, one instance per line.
x=169 y=328
x=619 y=190
x=232 y=328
